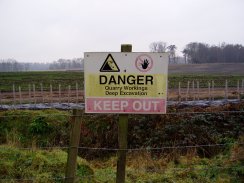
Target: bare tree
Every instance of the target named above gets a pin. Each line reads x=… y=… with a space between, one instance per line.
x=159 y=46
x=171 y=49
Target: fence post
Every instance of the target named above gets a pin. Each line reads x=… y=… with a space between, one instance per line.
x=77 y=93
x=193 y=90
x=20 y=95
x=34 y=93
x=0 y=98
x=187 y=90
x=73 y=146
x=179 y=92
x=226 y=89
x=209 y=91
x=51 y=93
x=42 y=93
x=29 y=87
x=242 y=86
x=59 y=93
x=212 y=89
x=122 y=135
x=14 y=96
x=238 y=90
x=69 y=93
x=198 y=98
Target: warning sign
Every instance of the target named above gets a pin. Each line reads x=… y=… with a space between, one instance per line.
x=126 y=82
x=109 y=65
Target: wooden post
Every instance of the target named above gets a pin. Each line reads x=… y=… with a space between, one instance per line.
x=168 y=90
x=0 y=98
x=42 y=93
x=238 y=90
x=212 y=90
x=69 y=94
x=59 y=93
x=242 y=86
x=226 y=89
x=179 y=92
x=51 y=94
x=29 y=87
x=209 y=91
x=34 y=93
x=73 y=146
x=20 y=95
x=193 y=90
x=77 y=94
x=14 y=96
x=122 y=135
x=198 y=95
x=187 y=90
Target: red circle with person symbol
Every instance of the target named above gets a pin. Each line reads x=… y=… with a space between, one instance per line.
x=144 y=63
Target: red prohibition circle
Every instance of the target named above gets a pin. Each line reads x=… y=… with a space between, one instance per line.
x=144 y=63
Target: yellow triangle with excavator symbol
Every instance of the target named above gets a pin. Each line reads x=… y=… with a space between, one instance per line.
x=109 y=65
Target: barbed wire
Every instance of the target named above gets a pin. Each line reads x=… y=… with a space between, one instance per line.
x=169 y=113
x=127 y=149
x=207 y=167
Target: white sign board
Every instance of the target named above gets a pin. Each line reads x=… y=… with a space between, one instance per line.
x=124 y=82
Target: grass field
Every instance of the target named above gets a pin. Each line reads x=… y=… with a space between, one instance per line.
x=24 y=79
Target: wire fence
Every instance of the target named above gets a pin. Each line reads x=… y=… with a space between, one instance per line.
x=190 y=90
x=130 y=170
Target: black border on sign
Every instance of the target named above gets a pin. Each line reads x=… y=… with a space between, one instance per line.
x=106 y=62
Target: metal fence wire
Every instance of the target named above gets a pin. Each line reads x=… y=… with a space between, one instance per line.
x=185 y=90
x=141 y=169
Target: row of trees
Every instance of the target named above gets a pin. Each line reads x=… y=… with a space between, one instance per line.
x=223 y=53
x=67 y=64
x=12 y=65
x=203 y=53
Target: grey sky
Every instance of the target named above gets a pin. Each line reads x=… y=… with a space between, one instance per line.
x=46 y=30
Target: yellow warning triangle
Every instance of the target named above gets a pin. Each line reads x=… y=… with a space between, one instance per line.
x=109 y=65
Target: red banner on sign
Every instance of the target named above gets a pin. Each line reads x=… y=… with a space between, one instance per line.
x=125 y=105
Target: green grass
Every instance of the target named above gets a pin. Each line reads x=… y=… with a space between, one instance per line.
x=24 y=79
x=25 y=128
x=41 y=165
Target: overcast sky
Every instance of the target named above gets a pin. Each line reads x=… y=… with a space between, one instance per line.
x=46 y=30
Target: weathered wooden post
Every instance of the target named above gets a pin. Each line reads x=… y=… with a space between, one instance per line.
x=238 y=90
x=212 y=90
x=122 y=135
x=20 y=95
x=0 y=98
x=187 y=90
x=71 y=165
x=34 y=93
x=69 y=87
x=198 y=95
x=59 y=93
x=29 y=87
x=179 y=92
x=226 y=89
x=42 y=93
x=77 y=93
x=209 y=91
x=242 y=86
x=14 y=96
x=51 y=93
